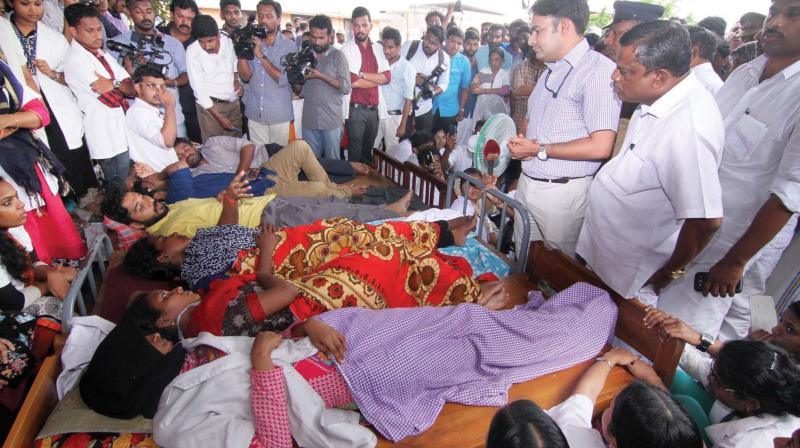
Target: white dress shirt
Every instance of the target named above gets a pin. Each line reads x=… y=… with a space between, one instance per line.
x=708 y=77
x=144 y=136
x=665 y=174
x=212 y=75
x=574 y=417
x=761 y=158
x=105 y=126
x=425 y=65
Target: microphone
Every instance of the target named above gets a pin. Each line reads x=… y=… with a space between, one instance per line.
x=491 y=152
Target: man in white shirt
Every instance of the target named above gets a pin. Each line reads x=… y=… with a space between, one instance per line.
x=573 y=115
x=704 y=46
x=151 y=121
x=398 y=94
x=760 y=179
x=656 y=205
x=211 y=64
x=101 y=86
x=432 y=66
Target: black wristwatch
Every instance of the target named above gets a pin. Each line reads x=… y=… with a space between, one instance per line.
x=705 y=342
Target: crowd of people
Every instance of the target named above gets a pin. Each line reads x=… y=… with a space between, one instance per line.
x=663 y=156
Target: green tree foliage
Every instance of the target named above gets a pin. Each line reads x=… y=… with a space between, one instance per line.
x=161 y=8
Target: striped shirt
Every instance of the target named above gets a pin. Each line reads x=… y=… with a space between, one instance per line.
x=572 y=99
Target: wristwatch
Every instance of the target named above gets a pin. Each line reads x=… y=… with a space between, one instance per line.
x=676 y=274
x=361 y=75
x=705 y=342
x=116 y=83
x=542 y=155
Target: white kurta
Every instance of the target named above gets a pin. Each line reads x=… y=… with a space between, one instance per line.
x=761 y=158
x=53 y=47
x=105 y=126
x=144 y=136
x=665 y=174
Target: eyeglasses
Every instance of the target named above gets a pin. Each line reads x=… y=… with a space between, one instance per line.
x=547 y=79
x=154 y=86
x=714 y=380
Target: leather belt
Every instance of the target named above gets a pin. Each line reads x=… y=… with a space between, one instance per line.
x=560 y=180
x=363 y=107
x=394 y=112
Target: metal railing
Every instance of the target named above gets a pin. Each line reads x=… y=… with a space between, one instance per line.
x=97 y=259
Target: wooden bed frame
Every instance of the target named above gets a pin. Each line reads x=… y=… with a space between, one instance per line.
x=457 y=425
x=428 y=187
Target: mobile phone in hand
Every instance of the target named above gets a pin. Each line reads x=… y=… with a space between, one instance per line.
x=700 y=280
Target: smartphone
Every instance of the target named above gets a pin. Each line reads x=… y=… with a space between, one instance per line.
x=451 y=129
x=701 y=277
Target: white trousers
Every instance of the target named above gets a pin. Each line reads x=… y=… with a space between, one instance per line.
x=387 y=130
x=262 y=134
x=556 y=212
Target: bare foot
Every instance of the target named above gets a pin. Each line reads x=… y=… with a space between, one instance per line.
x=494 y=296
x=458 y=222
x=356 y=190
x=461 y=230
x=401 y=207
x=360 y=168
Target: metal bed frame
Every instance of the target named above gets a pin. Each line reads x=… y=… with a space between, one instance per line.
x=430 y=188
x=96 y=262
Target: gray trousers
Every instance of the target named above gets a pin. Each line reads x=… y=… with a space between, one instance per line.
x=362 y=128
x=297 y=211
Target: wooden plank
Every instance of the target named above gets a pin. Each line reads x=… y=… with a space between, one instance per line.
x=38 y=405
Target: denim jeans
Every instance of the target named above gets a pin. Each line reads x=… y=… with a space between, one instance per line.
x=324 y=143
x=115 y=169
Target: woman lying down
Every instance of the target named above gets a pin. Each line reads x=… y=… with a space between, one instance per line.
x=399 y=366
x=335 y=263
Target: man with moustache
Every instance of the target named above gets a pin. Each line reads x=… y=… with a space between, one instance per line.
x=448 y=108
x=151 y=123
x=100 y=86
x=143 y=16
x=368 y=71
x=182 y=12
x=494 y=39
x=398 y=94
x=426 y=56
x=573 y=115
x=323 y=91
x=760 y=178
x=268 y=94
x=471 y=44
x=656 y=205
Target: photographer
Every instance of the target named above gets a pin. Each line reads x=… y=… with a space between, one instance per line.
x=323 y=91
x=211 y=65
x=151 y=124
x=268 y=102
x=167 y=52
x=432 y=65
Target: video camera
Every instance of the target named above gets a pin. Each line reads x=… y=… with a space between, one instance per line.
x=146 y=49
x=426 y=89
x=299 y=64
x=242 y=38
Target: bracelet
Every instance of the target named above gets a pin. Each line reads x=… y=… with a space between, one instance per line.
x=228 y=200
x=603 y=358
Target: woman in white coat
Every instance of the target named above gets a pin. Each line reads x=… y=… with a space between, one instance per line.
x=44 y=50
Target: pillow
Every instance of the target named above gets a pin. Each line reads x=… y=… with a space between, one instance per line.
x=126 y=235
x=86 y=334
x=71 y=415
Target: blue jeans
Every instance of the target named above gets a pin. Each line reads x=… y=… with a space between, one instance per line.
x=115 y=169
x=324 y=143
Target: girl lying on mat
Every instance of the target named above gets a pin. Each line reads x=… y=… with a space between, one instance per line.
x=328 y=265
x=398 y=366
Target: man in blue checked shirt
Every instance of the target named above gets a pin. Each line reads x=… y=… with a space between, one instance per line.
x=448 y=108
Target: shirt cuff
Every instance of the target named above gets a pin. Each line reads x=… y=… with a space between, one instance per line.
x=788 y=192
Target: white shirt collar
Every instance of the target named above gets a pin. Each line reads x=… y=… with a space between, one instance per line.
x=722 y=430
x=705 y=67
x=674 y=97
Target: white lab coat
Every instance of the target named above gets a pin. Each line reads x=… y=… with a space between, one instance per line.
x=53 y=47
x=210 y=405
x=104 y=126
